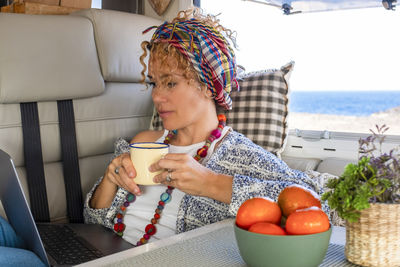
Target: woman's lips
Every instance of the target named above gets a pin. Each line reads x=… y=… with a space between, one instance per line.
x=164 y=114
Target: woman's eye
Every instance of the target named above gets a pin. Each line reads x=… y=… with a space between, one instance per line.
x=171 y=85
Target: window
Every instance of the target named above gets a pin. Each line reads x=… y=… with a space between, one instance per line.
x=346 y=73
x=132 y=6
x=96 y=4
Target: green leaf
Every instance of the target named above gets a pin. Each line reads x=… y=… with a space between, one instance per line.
x=354 y=189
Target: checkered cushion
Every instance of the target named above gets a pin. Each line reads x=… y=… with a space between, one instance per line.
x=260 y=108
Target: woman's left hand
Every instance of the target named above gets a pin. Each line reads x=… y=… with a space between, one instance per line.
x=185 y=173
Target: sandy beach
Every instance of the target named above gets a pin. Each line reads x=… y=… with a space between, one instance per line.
x=340 y=123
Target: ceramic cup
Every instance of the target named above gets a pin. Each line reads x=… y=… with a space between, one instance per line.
x=143 y=155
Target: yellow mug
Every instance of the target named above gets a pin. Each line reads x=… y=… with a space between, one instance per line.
x=144 y=154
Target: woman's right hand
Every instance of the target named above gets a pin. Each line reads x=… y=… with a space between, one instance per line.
x=121 y=172
x=105 y=191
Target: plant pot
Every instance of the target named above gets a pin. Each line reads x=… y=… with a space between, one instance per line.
x=375 y=239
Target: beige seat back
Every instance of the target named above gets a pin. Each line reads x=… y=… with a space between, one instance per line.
x=91 y=57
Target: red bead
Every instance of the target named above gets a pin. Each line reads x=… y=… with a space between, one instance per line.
x=123 y=208
x=119 y=216
x=162 y=203
x=157 y=216
x=221 y=126
x=221 y=117
x=216 y=133
x=153 y=221
x=150 y=229
x=171 y=187
x=146 y=236
x=202 y=152
x=119 y=227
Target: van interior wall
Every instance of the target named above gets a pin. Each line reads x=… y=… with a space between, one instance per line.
x=172 y=10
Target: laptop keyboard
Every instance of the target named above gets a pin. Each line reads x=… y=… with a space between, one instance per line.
x=64 y=246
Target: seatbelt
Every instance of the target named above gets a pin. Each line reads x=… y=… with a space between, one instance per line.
x=34 y=162
x=69 y=150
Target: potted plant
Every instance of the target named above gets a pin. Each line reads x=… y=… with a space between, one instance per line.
x=367 y=196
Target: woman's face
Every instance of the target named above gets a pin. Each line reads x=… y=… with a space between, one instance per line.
x=179 y=103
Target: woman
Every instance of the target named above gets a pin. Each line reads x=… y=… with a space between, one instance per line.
x=210 y=169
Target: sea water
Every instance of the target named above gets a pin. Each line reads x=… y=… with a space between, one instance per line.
x=350 y=103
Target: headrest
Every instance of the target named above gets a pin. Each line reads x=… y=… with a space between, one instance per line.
x=47 y=57
x=118 y=37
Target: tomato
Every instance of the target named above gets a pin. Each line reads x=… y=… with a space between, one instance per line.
x=307 y=221
x=296 y=197
x=258 y=210
x=267 y=229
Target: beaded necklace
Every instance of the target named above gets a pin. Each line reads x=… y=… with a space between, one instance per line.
x=150 y=229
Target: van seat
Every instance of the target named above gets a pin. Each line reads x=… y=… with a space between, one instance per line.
x=91 y=57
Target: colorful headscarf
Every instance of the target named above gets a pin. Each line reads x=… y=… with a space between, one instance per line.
x=207 y=50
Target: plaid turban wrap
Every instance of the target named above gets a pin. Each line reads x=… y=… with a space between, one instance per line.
x=208 y=51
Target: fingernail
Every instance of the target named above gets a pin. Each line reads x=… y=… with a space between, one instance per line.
x=150 y=169
x=131 y=174
x=135 y=190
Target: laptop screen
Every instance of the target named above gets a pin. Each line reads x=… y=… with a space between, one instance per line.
x=16 y=207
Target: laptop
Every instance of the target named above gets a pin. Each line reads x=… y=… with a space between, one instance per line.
x=55 y=244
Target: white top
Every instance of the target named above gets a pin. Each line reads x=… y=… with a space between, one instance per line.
x=140 y=212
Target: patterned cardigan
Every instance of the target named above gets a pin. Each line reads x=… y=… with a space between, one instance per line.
x=255 y=172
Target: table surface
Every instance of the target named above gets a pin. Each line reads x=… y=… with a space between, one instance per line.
x=211 y=245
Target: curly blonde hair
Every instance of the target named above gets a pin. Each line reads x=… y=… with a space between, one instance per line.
x=170 y=57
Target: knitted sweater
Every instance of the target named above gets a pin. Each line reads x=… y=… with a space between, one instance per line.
x=255 y=172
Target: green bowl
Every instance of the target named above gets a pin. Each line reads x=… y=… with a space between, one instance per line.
x=282 y=251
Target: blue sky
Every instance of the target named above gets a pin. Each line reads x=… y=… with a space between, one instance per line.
x=354 y=49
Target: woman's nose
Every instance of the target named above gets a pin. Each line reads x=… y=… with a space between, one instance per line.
x=158 y=95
